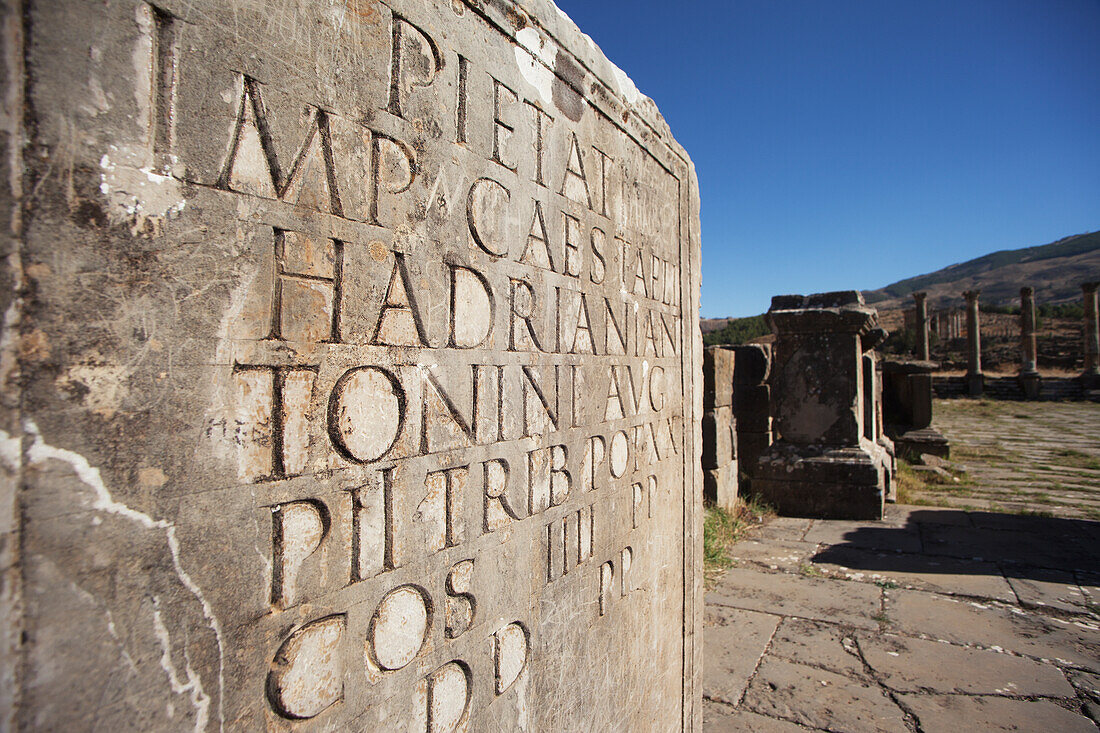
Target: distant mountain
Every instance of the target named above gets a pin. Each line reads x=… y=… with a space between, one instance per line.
x=1055 y=270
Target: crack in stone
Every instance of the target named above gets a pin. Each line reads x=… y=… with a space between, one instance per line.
x=39 y=451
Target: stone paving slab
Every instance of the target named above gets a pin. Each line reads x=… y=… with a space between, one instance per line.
x=915 y=665
x=919 y=637
x=951 y=713
x=815 y=644
x=721 y=718
x=870 y=536
x=794 y=595
x=938 y=574
x=1046 y=588
x=821 y=699
x=775 y=554
x=1087 y=683
x=915 y=613
x=784 y=528
x=1023 y=456
x=735 y=640
x=1027 y=548
x=902 y=515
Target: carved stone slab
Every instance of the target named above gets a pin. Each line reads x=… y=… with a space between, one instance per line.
x=357 y=360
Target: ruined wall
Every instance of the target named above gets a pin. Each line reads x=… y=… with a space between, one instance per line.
x=752 y=404
x=720 y=471
x=357 y=367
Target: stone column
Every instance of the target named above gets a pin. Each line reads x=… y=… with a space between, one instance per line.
x=922 y=326
x=974 y=344
x=1092 y=332
x=1029 y=373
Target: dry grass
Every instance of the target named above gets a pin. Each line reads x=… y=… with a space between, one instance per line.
x=722 y=528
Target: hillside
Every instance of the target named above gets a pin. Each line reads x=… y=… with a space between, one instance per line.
x=1055 y=270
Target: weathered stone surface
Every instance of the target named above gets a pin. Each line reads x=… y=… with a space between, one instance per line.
x=720 y=718
x=733 y=642
x=718 y=437
x=907 y=409
x=718 y=370
x=784 y=528
x=883 y=536
x=1047 y=588
x=915 y=665
x=968 y=622
x=912 y=570
x=920 y=642
x=838 y=601
x=359 y=359
x=773 y=554
x=1030 y=548
x=750 y=446
x=946 y=712
x=753 y=403
x=821 y=699
x=819 y=645
x=720 y=485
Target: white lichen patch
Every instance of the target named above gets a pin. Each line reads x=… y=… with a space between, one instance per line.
x=103 y=386
x=535 y=59
x=136 y=193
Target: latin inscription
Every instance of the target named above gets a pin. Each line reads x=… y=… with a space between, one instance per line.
x=446 y=375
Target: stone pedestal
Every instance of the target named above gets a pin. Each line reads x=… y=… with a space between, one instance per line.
x=974 y=379
x=828 y=460
x=922 y=325
x=1029 y=372
x=907 y=404
x=1091 y=375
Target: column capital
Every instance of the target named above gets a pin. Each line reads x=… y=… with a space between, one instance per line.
x=1089 y=288
x=971 y=295
x=919 y=297
x=1027 y=292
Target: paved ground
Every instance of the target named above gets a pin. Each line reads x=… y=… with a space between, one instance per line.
x=1021 y=456
x=934 y=619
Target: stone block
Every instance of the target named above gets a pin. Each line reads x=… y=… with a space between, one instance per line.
x=752 y=403
x=718 y=369
x=916 y=443
x=750 y=446
x=359 y=373
x=720 y=485
x=719 y=431
x=751 y=364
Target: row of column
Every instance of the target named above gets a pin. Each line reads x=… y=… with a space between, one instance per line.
x=1029 y=348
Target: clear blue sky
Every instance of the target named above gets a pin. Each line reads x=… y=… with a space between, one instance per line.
x=851 y=143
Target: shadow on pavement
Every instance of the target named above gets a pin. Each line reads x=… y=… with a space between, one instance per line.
x=949 y=541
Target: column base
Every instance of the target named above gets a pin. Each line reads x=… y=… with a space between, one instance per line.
x=975 y=384
x=800 y=481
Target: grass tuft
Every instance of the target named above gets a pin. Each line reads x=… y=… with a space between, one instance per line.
x=722 y=528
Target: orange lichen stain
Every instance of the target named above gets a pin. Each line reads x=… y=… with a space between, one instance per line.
x=34 y=346
x=152 y=478
x=364 y=10
x=38 y=271
x=378 y=251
